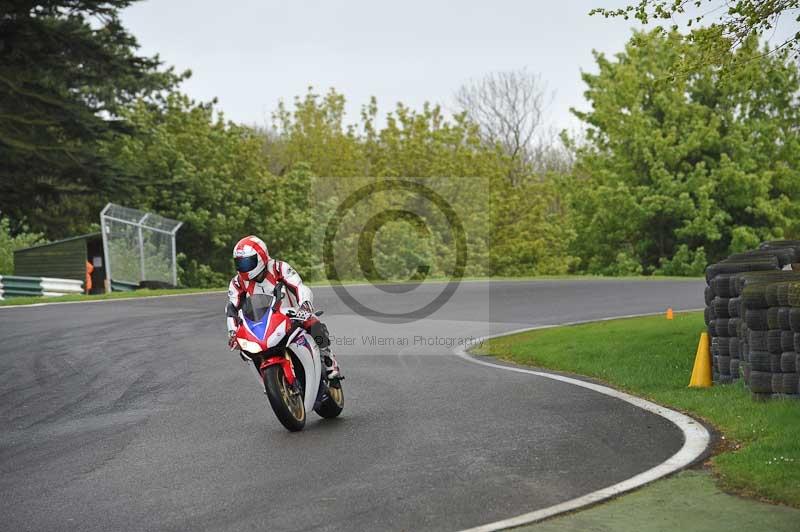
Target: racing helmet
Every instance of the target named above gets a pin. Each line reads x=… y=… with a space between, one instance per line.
x=250 y=257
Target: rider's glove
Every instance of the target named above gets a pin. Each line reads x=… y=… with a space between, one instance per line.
x=232 y=344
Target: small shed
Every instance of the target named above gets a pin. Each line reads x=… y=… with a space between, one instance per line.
x=64 y=259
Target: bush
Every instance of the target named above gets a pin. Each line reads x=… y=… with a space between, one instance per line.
x=684 y=263
x=10 y=242
x=192 y=274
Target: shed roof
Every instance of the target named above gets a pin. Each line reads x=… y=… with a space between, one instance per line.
x=87 y=236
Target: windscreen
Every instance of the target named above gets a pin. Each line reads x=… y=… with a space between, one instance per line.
x=256 y=306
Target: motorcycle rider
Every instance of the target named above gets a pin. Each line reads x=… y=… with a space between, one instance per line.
x=259 y=273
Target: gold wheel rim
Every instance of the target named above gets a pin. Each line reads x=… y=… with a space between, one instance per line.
x=293 y=401
x=336 y=394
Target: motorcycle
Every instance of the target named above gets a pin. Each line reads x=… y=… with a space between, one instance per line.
x=287 y=360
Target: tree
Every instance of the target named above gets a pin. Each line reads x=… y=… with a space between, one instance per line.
x=9 y=243
x=701 y=164
x=531 y=231
x=509 y=109
x=511 y=229
x=314 y=132
x=736 y=21
x=67 y=70
x=451 y=159
x=203 y=171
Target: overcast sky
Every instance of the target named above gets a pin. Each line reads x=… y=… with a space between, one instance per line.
x=251 y=53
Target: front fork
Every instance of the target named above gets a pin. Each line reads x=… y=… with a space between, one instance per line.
x=286 y=364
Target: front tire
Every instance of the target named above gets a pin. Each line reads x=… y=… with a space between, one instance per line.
x=333 y=404
x=288 y=406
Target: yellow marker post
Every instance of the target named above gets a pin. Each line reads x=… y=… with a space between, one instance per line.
x=669 y=313
x=701 y=372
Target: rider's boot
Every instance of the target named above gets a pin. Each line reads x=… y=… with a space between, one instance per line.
x=333 y=372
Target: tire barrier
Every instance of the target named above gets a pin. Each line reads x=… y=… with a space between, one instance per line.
x=753 y=318
x=15 y=286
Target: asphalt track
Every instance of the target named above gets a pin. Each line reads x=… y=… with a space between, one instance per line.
x=132 y=415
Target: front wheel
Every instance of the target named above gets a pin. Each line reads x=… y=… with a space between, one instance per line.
x=334 y=403
x=286 y=403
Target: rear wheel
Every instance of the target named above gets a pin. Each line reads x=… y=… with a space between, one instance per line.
x=334 y=403
x=286 y=402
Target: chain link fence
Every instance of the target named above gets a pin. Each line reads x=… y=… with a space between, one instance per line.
x=139 y=246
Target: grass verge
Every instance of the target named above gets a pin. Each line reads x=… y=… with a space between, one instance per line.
x=652 y=358
x=688 y=500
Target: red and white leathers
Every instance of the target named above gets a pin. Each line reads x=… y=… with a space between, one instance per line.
x=277 y=271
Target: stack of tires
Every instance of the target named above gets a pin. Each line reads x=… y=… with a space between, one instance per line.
x=773 y=350
x=748 y=301
x=722 y=314
x=749 y=294
x=792 y=246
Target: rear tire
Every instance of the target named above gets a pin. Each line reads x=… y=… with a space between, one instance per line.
x=333 y=405
x=288 y=407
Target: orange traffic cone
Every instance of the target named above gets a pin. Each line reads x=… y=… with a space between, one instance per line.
x=669 y=313
x=701 y=372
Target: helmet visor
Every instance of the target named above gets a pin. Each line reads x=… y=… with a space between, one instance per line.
x=246 y=264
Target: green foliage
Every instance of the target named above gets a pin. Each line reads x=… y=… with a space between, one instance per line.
x=738 y=21
x=68 y=69
x=530 y=231
x=685 y=262
x=511 y=229
x=744 y=238
x=698 y=161
x=196 y=275
x=292 y=225
x=314 y=133
x=201 y=170
x=9 y=242
x=213 y=176
x=403 y=252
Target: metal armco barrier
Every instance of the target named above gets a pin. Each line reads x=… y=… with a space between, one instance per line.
x=14 y=286
x=59 y=287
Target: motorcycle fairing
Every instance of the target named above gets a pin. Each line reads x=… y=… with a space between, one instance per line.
x=272 y=321
x=305 y=349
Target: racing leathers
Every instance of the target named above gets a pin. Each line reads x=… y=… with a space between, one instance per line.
x=298 y=296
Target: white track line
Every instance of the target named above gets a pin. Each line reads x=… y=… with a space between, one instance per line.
x=696 y=437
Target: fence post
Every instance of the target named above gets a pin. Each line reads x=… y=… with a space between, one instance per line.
x=174 y=259
x=106 y=256
x=141 y=247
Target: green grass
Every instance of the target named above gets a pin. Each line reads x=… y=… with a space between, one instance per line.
x=652 y=358
x=149 y=293
x=688 y=500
